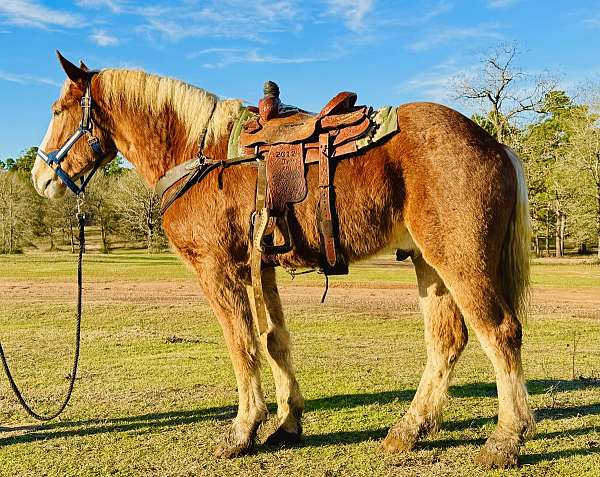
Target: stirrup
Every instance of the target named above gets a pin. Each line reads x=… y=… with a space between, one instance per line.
x=263 y=241
x=266 y=242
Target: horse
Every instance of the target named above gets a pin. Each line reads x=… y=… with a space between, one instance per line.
x=441 y=190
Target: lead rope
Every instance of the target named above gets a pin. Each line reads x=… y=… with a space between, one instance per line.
x=19 y=395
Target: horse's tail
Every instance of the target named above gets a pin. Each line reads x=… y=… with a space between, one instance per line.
x=514 y=264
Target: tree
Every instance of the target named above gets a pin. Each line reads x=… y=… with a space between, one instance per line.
x=15 y=215
x=583 y=163
x=99 y=203
x=23 y=164
x=139 y=209
x=502 y=92
x=115 y=167
x=544 y=147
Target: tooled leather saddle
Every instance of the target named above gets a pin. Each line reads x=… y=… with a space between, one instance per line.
x=289 y=139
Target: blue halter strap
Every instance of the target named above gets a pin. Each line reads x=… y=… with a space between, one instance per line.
x=54 y=158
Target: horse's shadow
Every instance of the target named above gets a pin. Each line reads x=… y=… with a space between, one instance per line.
x=24 y=434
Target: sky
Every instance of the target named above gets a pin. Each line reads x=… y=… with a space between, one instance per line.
x=389 y=52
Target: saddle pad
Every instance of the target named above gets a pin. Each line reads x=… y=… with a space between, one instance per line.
x=285 y=176
x=385 y=124
x=233 y=146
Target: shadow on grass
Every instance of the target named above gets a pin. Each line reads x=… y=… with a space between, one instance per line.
x=546 y=456
x=121 y=424
x=330 y=403
x=534 y=386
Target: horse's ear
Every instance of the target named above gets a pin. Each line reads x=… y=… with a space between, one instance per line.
x=75 y=74
x=83 y=66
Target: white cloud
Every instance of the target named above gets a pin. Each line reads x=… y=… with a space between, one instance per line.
x=229 y=56
x=438 y=83
x=501 y=3
x=428 y=86
x=27 y=79
x=433 y=40
x=353 y=12
x=101 y=38
x=209 y=51
x=33 y=14
x=594 y=22
x=114 y=6
x=420 y=17
x=437 y=10
x=238 y=19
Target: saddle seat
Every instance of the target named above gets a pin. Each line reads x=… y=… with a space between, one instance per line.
x=276 y=123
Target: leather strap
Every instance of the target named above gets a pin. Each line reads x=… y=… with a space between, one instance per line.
x=261 y=223
x=192 y=171
x=55 y=158
x=326 y=219
x=175 y=175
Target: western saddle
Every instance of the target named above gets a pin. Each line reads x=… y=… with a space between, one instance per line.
x=288 y=139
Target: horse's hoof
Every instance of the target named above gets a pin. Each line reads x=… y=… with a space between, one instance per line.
x=498 y=454
x=398 y=440
x=226 y=451
x=234 y=445
x=281 y=437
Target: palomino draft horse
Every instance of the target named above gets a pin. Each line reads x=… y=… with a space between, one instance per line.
x=441 y=189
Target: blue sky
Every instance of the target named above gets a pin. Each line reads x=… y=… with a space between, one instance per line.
x=390 y=52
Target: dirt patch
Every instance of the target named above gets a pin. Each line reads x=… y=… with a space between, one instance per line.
x=400 y=299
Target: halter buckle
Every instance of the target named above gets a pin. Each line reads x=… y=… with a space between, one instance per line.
x=86 y=101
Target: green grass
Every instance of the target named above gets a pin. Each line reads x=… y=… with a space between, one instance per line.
x=98 y=267
x=144 y=406
x=138 y=266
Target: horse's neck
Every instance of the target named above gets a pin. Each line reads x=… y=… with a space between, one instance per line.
x=156 y=143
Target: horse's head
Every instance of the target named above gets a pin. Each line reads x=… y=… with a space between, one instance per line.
x=75 y=143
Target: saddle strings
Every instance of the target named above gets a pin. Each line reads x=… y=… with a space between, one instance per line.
x=293 y=273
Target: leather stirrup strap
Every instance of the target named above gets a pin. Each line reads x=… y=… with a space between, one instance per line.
x=325 y=214
x=261 y=222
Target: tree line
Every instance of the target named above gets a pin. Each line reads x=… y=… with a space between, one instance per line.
x=118 y=203
x=556 y=135
x=558 y=138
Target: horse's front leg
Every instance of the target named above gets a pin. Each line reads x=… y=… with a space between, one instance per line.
x=225 y=289
x=276 y=343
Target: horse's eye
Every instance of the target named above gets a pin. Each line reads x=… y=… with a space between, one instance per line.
x=56 y=112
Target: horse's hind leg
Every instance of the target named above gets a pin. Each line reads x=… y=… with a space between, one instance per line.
x=225 y=289
x=500 y=334
x=290 y=402
x=445 y=337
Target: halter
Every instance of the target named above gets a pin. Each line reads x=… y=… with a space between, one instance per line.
x=54 y=158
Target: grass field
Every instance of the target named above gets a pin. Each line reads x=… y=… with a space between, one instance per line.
x=156 y=390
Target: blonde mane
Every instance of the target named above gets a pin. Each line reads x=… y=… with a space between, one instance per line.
x=193 y=106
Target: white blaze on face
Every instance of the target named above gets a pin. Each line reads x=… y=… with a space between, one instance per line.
x=43 y=177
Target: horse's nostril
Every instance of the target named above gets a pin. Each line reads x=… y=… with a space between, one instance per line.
x=47 y=184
